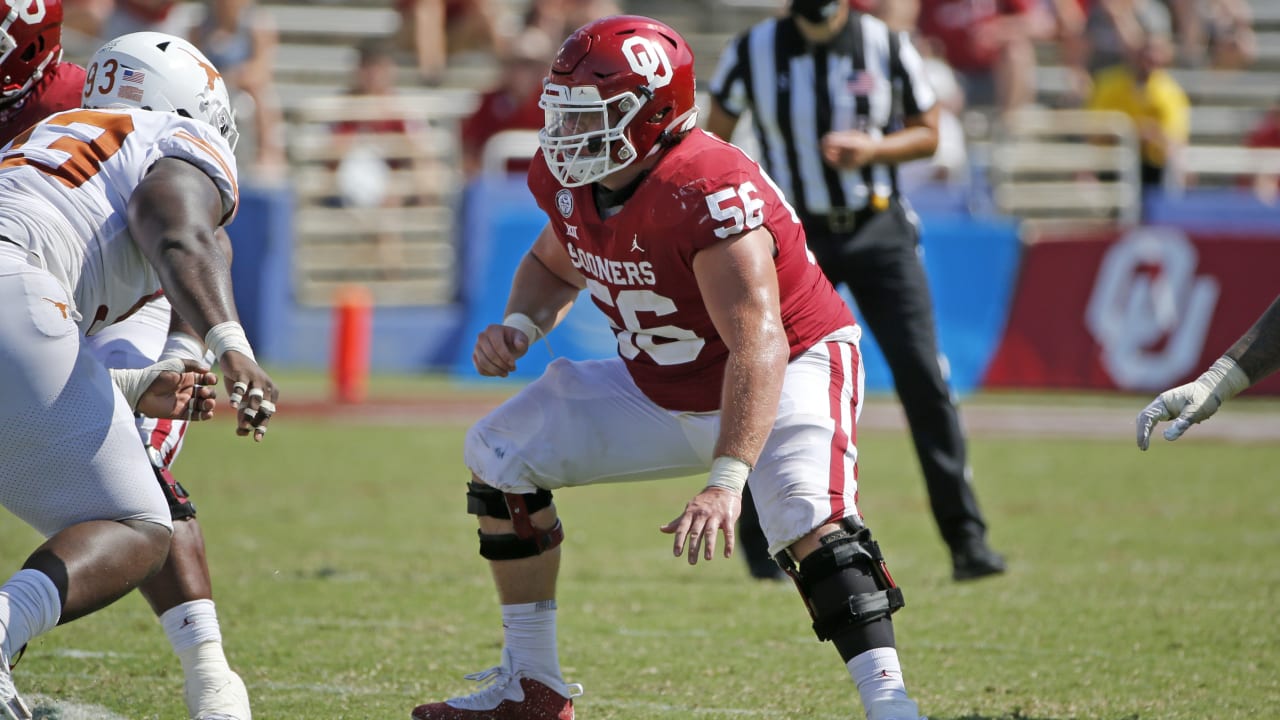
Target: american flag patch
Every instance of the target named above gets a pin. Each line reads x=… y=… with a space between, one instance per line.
x=133 y=76
x=861 y=83
x=130 y=93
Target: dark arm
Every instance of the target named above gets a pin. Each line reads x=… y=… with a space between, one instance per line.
x=1258 y=350
x=174 y=217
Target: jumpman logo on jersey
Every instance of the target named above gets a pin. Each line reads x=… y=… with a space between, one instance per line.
x=635 y=244
x=60 y=305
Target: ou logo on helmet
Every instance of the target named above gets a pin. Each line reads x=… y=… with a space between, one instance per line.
x=649 y=59
x=1149 y=311
x=29 y=11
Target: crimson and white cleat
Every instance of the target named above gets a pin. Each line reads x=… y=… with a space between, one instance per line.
x=507 y=696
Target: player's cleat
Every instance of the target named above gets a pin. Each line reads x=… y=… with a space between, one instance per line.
x=975 y=560
x=507 y=696
x=894 y=710
x=220 y=697
x=11 y=706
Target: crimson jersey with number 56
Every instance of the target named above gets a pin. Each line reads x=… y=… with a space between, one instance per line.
x=638 y=263
x=65 y=186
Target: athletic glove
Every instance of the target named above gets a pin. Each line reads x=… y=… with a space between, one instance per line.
x=1192 y=403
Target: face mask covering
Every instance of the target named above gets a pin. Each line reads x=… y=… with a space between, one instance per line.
x=815 y=11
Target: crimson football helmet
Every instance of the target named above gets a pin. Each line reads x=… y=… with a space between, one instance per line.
x=30 y=39
x=619 y=87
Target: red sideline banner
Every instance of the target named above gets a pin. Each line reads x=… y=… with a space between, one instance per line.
x=1141 y=310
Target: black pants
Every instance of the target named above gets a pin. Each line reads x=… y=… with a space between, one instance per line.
x=878 y=261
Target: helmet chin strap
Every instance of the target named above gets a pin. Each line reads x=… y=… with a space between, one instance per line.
x=682 y=124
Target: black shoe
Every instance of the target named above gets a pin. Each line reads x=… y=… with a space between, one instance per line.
x=974 y=561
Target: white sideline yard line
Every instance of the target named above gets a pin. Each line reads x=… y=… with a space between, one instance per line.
x=667 y=708
x=47 y=708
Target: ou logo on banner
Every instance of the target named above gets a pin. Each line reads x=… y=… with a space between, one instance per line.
x=648 y=58
x=1149 y=311
x=30 y=11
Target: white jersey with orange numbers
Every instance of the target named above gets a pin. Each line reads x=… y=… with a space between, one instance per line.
x=64 y=194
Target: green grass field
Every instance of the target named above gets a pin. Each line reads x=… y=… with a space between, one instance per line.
x=348 y=583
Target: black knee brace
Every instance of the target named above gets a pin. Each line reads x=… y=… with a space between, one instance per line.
x=833 y=581
x=527 y=541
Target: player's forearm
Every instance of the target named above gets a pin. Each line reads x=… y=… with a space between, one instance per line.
x=1258 y=350
x=749 y=398
x=540 y=294
x=196 y=278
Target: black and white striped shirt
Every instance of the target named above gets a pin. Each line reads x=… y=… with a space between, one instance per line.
x=867 y=78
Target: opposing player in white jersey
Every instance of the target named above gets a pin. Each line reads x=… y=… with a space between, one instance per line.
x=102 y=209
x=38 y=83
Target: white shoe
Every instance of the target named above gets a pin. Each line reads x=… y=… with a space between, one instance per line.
x=11 y=706
x=217 y=697
x=507 y=695
x=894 y=710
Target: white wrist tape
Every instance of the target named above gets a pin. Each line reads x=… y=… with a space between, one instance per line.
x=524 y=324
x=228 y=336
x=133 y=383
x=1225 y=378
x=183 y=346
x=728 y=473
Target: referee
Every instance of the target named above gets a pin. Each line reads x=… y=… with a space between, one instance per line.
x=837 y=100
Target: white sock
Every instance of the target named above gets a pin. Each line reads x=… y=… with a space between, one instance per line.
x=529 y=634
x=29 y=606
x=878 y=676
x=196 y=638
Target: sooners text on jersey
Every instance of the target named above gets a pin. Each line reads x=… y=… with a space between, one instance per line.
x=639 y=264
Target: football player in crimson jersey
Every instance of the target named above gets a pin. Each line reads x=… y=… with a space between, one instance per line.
x=37 y=85
x=736 y=358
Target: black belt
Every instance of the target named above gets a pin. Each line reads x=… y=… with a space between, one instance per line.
x=843 y=220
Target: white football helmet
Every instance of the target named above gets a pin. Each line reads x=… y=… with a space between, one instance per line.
x=157 y=71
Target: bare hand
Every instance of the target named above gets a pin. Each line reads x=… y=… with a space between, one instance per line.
x=849 y=149
x=186 y=395
x=252 y=393
x=713 y=509
x=497 y=349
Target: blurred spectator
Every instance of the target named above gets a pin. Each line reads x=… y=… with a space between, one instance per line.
x=559 y=18
x=434 y=30
x=383 y=163
x=129 y=16
x=1267 y=135
x=240 y=39
x=989 y=43
x=1142 y=89
x=513 y=104
x=1215 y=33
x=366 y=158
x=1116 y=30
x=82 y=22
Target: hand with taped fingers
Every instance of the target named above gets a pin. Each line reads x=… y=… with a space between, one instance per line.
x=497 y=349
x=185 y=394
x=713 y=510
x=252 y=393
